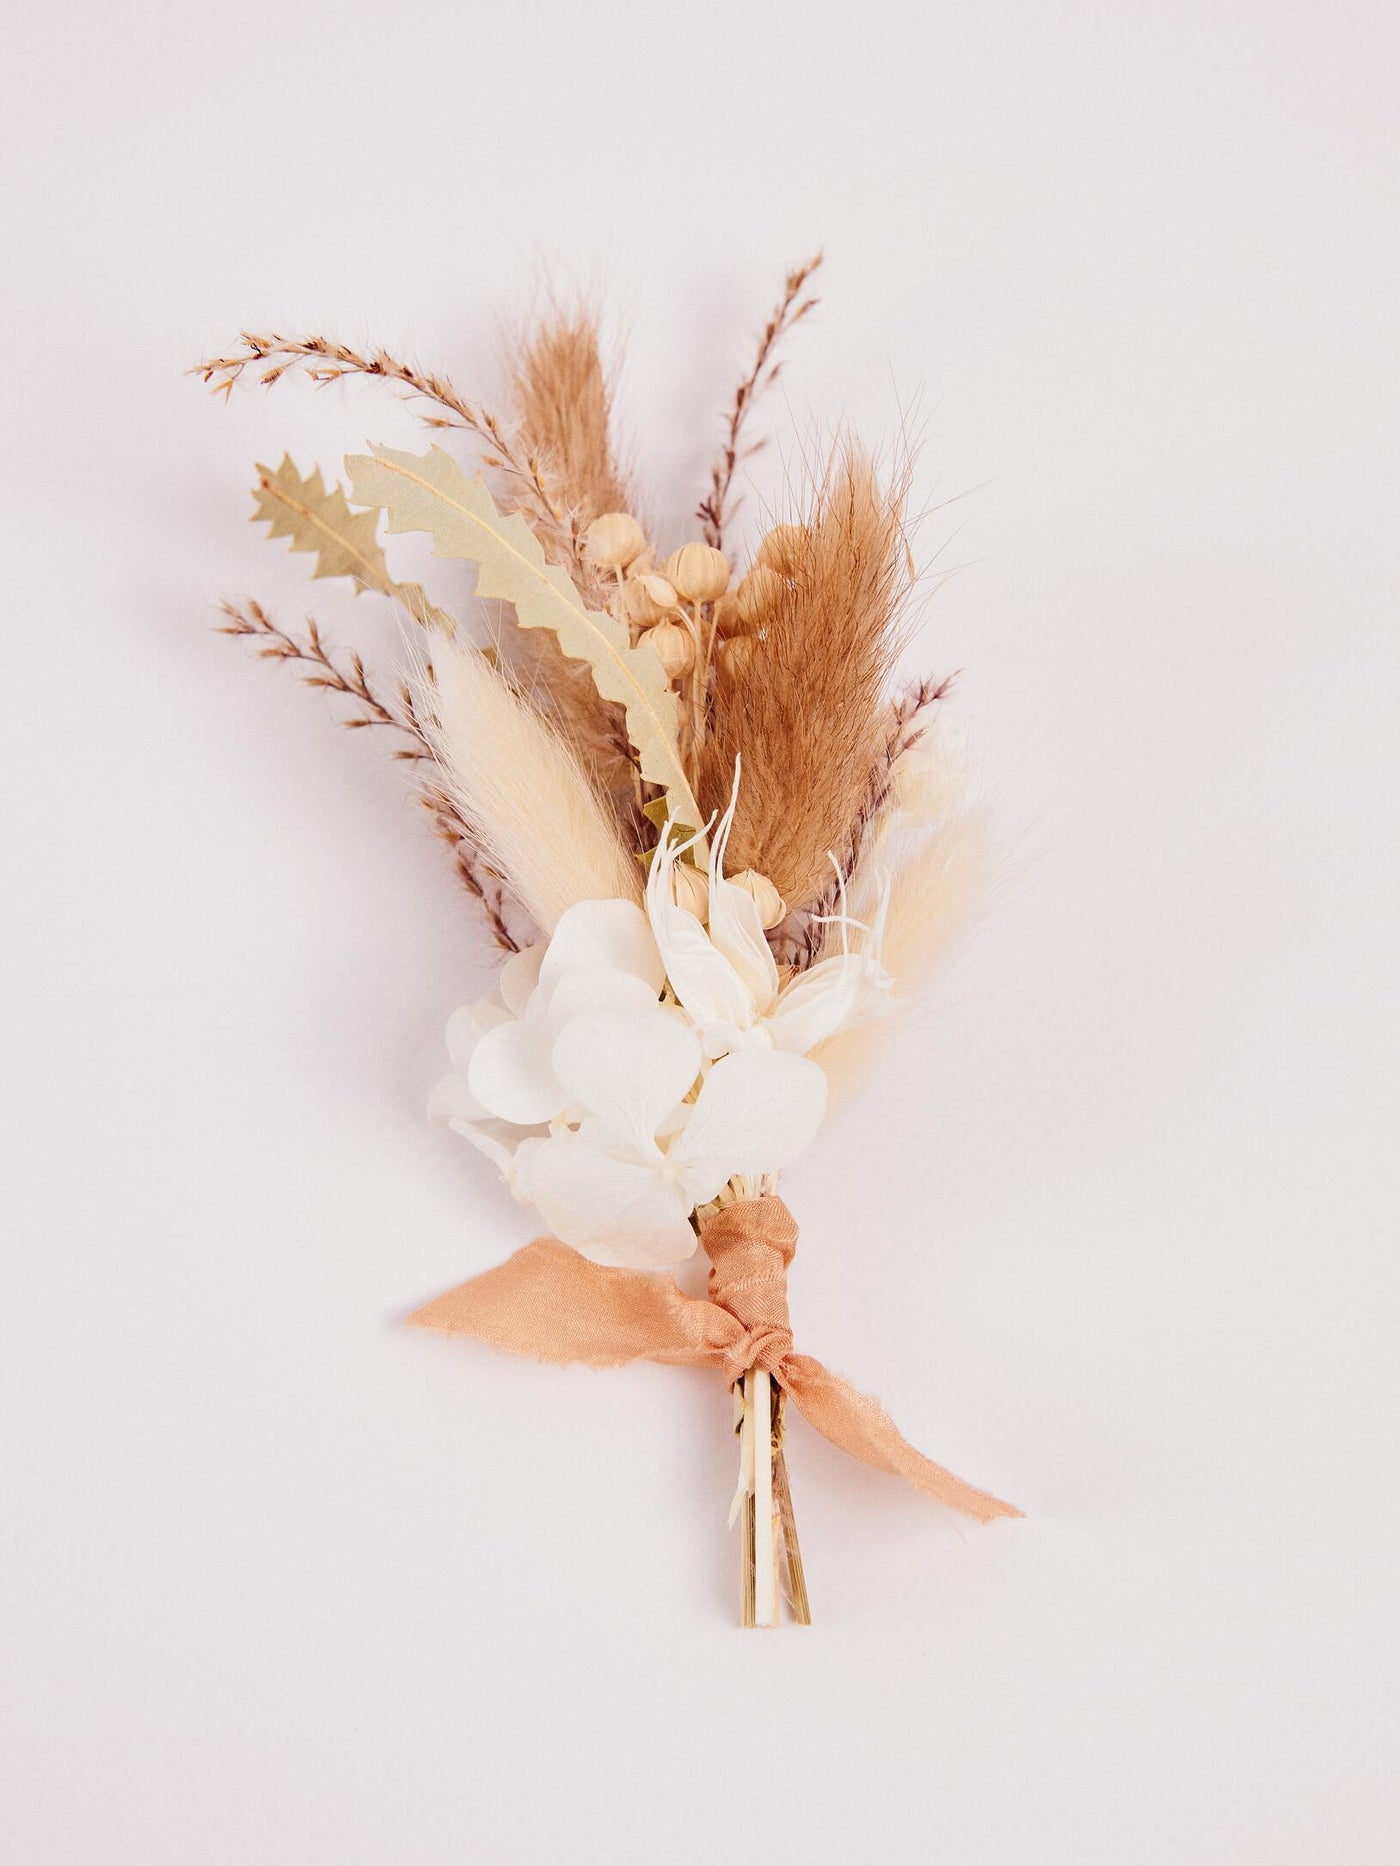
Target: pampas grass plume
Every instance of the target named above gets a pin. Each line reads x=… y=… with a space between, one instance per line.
x=804 y=708
x=931 y=898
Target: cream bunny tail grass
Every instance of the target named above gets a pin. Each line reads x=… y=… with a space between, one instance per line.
x=931 y=898
x=522 y=791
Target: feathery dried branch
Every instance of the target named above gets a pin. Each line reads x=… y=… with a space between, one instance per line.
x=805 y=936
x=312 y=661
x=909 y=717
x=525 y=798
x=805 y=708
x=324 y=361
x=713 y=509
x=476 y=877
x=309 y=657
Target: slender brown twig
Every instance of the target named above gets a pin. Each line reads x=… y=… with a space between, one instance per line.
x=801 y=940
x=314 y=665
x=316 y=668
x=791 y=309
x=326 y=361
x=270 y=355
x=476 y=877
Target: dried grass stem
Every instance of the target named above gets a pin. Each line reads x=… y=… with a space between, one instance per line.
x=792 y=307
x=315 y=666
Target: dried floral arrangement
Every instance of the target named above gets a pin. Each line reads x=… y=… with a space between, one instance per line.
x=715 y=843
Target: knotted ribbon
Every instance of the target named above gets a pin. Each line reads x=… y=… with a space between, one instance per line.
x=549 y=1302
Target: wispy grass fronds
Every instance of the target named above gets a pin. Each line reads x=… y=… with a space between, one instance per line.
x=565 y=416
x=931 y=898
x=806 y=706
x=564 y=421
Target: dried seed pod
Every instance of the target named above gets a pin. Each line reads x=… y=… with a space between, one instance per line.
x=675 y=645
x=690 y=888
x=646 y=599
x=781 y=549
x=699 y=572
x=757 y=595
x=614 y=540
x=771 y=906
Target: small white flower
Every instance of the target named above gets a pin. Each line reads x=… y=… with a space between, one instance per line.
x=610 y=1188
x=632 y=1067
x=601 y=958
x=727 y=978
x=503 y=1087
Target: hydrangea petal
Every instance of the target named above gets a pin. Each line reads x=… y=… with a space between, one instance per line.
x=701 y=977
x=611 y=933
x=818 y=1004
x=613 y=1211
x=758 y=1110
x=466 y=1027
x=510 y=1073
x=498 y=1140
x=519 y=976
x=736 y=931
x=629 y=1068
x=736 y=927
x=847 y=990
x=598 y=988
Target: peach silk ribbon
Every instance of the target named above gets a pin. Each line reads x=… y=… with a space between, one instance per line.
x=549 y=1302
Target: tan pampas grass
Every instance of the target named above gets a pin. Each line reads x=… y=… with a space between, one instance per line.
x=804 y=704
x=564 y=424
x=522 y=792
x=565 y=415
x=931 y=897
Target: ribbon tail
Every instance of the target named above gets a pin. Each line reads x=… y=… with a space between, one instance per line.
x=861 y=1426
x=548 y=1302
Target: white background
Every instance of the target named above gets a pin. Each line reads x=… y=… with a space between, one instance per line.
x=285 y=1584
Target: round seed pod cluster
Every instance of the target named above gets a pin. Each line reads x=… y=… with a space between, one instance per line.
x=664 y=603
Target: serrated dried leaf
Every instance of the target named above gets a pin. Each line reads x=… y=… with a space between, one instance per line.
x=318 y=521
x=430 y=492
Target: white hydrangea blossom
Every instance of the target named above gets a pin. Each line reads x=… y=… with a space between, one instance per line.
x=631 y=1067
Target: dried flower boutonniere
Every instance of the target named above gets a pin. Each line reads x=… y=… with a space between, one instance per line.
x=712 y=839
